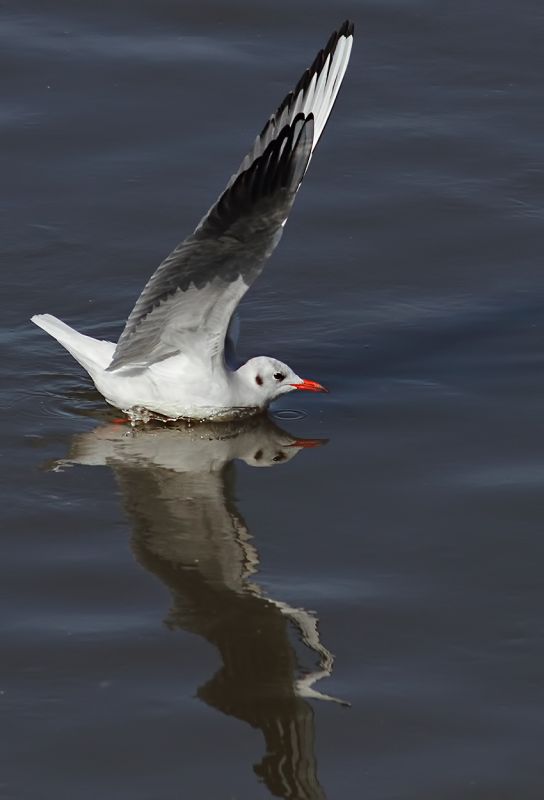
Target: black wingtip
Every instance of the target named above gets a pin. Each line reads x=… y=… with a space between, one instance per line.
x=347 y=28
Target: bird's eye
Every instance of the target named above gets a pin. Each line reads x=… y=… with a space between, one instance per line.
x=279 y=376
x=279 y=457
x=258 y=380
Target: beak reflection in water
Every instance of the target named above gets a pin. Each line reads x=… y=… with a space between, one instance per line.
x=178 y=490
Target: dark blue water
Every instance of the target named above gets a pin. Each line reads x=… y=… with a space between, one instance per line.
x=176 y=620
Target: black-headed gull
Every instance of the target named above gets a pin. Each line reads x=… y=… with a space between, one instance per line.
x=170 y=359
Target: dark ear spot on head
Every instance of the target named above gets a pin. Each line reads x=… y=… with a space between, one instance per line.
x=258 y=380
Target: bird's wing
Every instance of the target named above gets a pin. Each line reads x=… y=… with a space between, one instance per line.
x=187 y=304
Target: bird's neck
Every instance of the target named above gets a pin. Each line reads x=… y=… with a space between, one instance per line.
x=245 y=392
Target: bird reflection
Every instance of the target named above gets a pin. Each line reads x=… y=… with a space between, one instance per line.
x=178 y=488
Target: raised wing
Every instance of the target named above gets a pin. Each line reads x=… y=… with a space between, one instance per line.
x=188 y=302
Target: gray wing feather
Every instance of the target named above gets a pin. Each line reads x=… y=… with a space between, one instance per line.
x=187 y=304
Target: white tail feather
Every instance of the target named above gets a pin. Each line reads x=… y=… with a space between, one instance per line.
x=93 y=354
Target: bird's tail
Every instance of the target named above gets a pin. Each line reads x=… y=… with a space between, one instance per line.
x=94 y=355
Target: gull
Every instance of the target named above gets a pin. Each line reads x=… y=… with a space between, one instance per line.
x=173 y=357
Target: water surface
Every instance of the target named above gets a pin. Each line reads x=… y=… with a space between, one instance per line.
x=186 y=614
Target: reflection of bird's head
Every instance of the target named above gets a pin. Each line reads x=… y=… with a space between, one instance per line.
x=276 y=447
x=201 y=447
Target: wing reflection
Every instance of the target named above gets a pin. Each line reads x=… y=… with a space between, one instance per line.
x=178 y=490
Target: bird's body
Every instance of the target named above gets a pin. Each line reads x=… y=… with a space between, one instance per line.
x=170 y=359
x=179 y=386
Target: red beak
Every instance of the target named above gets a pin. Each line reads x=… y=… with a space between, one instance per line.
x=309 y=386
x=308 y=443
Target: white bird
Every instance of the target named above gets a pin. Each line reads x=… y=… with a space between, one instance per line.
x=172 y=357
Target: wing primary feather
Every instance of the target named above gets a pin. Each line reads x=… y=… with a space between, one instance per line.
x=240 y=230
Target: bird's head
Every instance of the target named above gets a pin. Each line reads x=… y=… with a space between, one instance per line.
x=267 y=378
